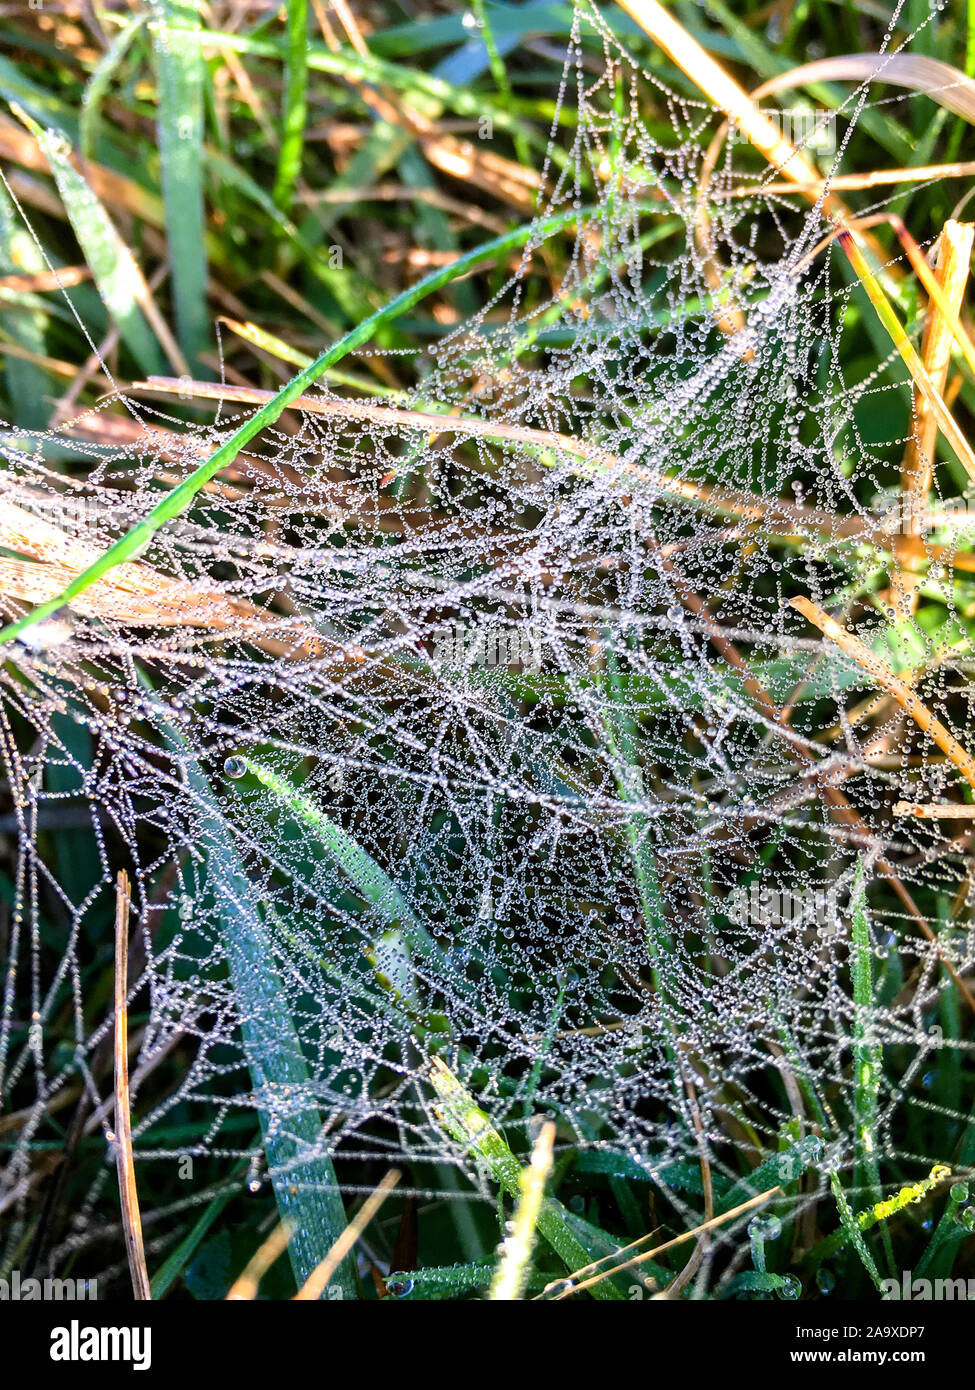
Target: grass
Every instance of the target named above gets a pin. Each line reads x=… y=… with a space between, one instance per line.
x=300 y=198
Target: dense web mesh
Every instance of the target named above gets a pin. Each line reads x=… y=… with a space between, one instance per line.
x=495 y=737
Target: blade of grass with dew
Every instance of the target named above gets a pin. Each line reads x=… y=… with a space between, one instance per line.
x=295 y=104
x=389 y=956
x=119 y=280
x=99 y=81
x=174 y=503
x=954 y=1227
x=469 y=1125
x=867 y=1056
x=780 y=1169
x=621 y=740
x=179 y=76
x=852 y=1232
x=852 y=1227
x=450 y=1281
x=302 y=1175
x=404 y=933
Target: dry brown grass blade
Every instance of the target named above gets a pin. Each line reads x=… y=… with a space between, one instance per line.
x=316 y=1283
x=949 y=810
x=128 y=1192
x=398 y=192
x=43 y=280
x=135 y=594
x=852 y=183
x=723 y=90
x=879 y=671
x=919 y=264
x=789 y=520
x=946 y=85
x=917 y=469
x=784 y=518
x=677 y=1285
x=946 y=421
x=245 y=1286
x=55 y=365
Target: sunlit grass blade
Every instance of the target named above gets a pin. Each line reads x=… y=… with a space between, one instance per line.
x=295 y=104
x=468 y=1124
x=120 y=281
x=853 y=1226
x=908 y=353
x=179 y=74
x=284 y=352
x=880 y=672
x=175 y=503
x=514 y=1266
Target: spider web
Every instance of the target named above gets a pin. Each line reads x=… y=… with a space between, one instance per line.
x=496 y=737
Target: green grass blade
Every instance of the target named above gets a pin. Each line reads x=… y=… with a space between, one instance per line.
x=405 y=933
x=175 y=503
x=514 y=1266
x=179 y=74
x=500 y=74
x=468 y=1124
x=946 y=1236
x=852 y=1232
x=304 y=1181
x=119 y=280
x=178 y=1259
x=295 y=111
x=622 y=743
x=867 y=1057
x=99 y=82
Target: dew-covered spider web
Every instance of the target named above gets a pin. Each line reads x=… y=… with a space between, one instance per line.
x=495 y=737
